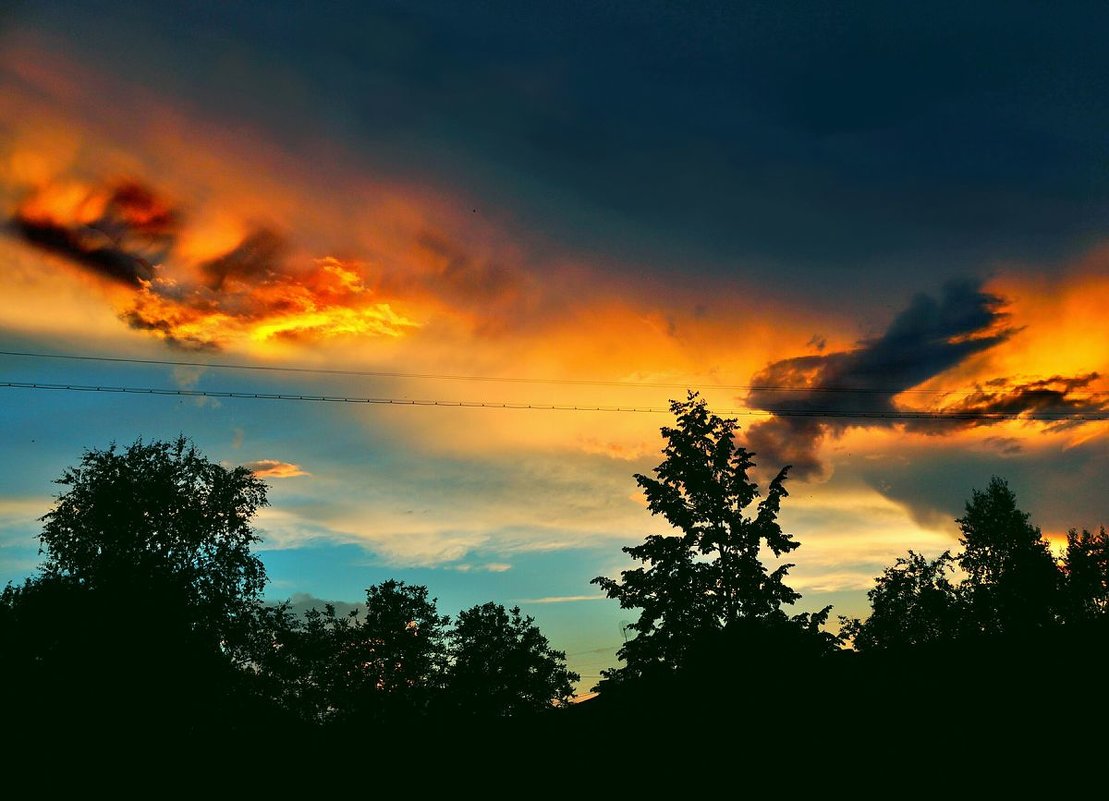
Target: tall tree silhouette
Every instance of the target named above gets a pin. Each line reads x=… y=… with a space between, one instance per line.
x=503 y=666
x=1012 y=582
x=710 y=576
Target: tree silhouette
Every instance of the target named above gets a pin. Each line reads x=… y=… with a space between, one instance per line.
x=386 y=661
x=306 y=666
x=404 y=637
x=146 y=598
x=1012 y=582
x=503 y=666
x=710 y=576
x=912 y=603
x=160 y=519
x=1086 y=570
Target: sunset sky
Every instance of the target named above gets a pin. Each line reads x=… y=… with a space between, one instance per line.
x=885 y=213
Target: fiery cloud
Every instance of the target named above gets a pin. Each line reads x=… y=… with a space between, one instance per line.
x=245 y=297
x=868 y=386
x=126 y=233
x=242 y=267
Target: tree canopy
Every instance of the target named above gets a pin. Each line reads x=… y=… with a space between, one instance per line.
x=1011 y=583
x=1011 y=577
x=502 y=665
x=148 y=611
x=912 y=603
x=160 y=517
x=397 y=659
x=1086 y=569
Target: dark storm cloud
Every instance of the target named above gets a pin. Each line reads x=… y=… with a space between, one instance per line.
x=254 y=259
x=167 y=330
x=858 y=388
x=924 y=340
x=130 y=229
x=1060 y=489
x=830 y=138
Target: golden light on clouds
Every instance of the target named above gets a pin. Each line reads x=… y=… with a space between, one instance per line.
x=324 y=301
x=251 y=293
x=1065 y=329
x=133 y=236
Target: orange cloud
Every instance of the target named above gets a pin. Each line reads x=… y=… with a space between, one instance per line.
x=126 y=233
x=618 y=450
x=248 y=266
x=256 y=303
x=273 y=468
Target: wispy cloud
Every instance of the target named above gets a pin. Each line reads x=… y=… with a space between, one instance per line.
x=1054 y=396
x=562 y=599
x=23 y=509
x=488 y=567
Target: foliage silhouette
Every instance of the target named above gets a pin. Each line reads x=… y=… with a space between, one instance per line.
x=405 y=656
x=503 y=666
x=912 y=603
x=160 y=518
x=104 y=665
x=1086 y=571
x=386 y=661
x=304 y=666
x=146 y=621
x=145 y=600
x=1012 y=586
x=710 y=576
x=1012 y=581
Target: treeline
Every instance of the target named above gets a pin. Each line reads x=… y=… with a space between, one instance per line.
x=1010 y=582
x=997 y=639
x=397 y=659
x=146 y=616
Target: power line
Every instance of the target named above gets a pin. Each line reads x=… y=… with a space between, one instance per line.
x=769 y=412
x=199 y=393
x=476 y=378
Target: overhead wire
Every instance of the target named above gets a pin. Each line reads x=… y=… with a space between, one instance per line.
x=475 y=378
x=765 y=412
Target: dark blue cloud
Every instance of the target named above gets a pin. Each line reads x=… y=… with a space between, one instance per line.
x=1057 y=488
x=824 y=394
